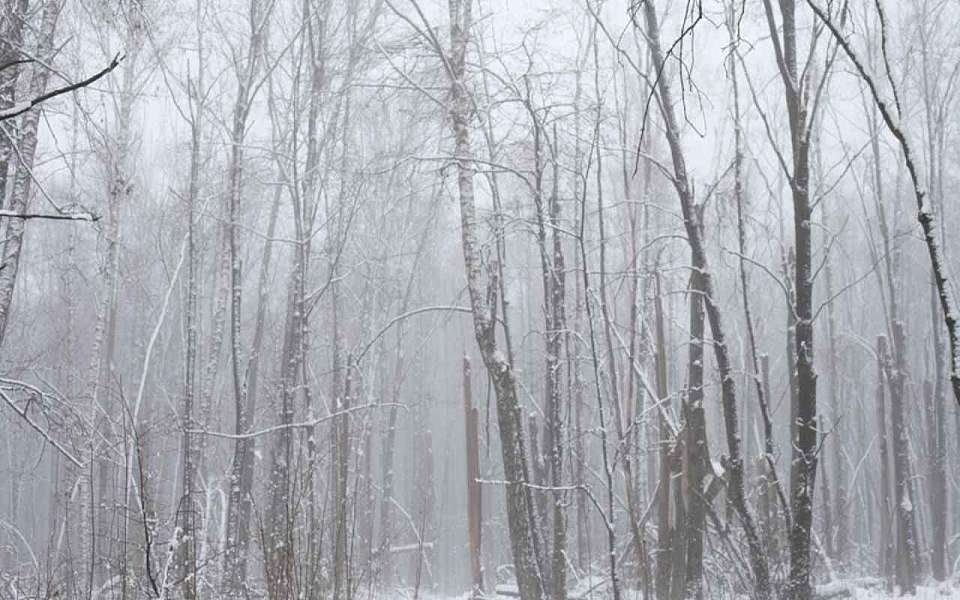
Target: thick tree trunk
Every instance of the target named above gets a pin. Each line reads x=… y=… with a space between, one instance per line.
x=906 y=561
x=509 y=414
x=555 y=413
x=939 y=558
x=26 y=152
x=12 y=21
x=803 y=468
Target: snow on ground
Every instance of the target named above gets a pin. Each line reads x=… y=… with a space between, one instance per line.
x=856 y=589
x=842 y=590
x=597 y=588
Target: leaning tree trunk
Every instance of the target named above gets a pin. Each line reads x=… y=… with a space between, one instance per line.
x=925 y=210
x=23 y=172
x=939 y=558
x=12 y=21
x=509 y=415
x=692 y=224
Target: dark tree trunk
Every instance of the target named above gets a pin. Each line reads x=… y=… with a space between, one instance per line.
x=692 y=224
x=939 y=558
x=806 y=438
x=664 y=555
x=887 y=544
x=906 y=565
x=695 y=449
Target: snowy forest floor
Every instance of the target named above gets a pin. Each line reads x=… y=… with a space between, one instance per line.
x=856 y=589
x=873 y=589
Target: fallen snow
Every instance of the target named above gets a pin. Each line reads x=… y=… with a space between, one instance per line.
x=865 y=588
x=926 y=592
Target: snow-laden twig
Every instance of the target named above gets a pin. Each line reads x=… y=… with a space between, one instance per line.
x=50 y=216
x=156 y=330
x=23 y=540
x=22 y=107
x=300 y=425
x=25 y=414
x=398 y=318
x=925 y=214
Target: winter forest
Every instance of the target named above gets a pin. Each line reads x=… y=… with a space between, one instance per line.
x=476 y=299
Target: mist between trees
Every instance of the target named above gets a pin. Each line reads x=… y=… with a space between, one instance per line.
x=465 y=298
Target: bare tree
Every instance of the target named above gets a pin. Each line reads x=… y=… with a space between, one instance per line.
x=249 y=81
x=482 y=303
x=891 y=113
x=26 y=146
x=692 y=219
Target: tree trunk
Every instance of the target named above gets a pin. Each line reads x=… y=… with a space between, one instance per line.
x=906 y=561
x=836 y=402
x=509 y=414
x=549 y=472
x=474 y=507
x=692 y=224
x=925 y=211
x=342 y=587
x=189 y=507
x=806 y=437
x=241 y=474
x=695 y=449
x=11 y=43
x=23 y=177
x=939 y=558
x=664 y=557
x=896 y=372
x=887 y=546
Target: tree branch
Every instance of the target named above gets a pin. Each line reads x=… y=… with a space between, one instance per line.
x=22 y=107
x=51 y=216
